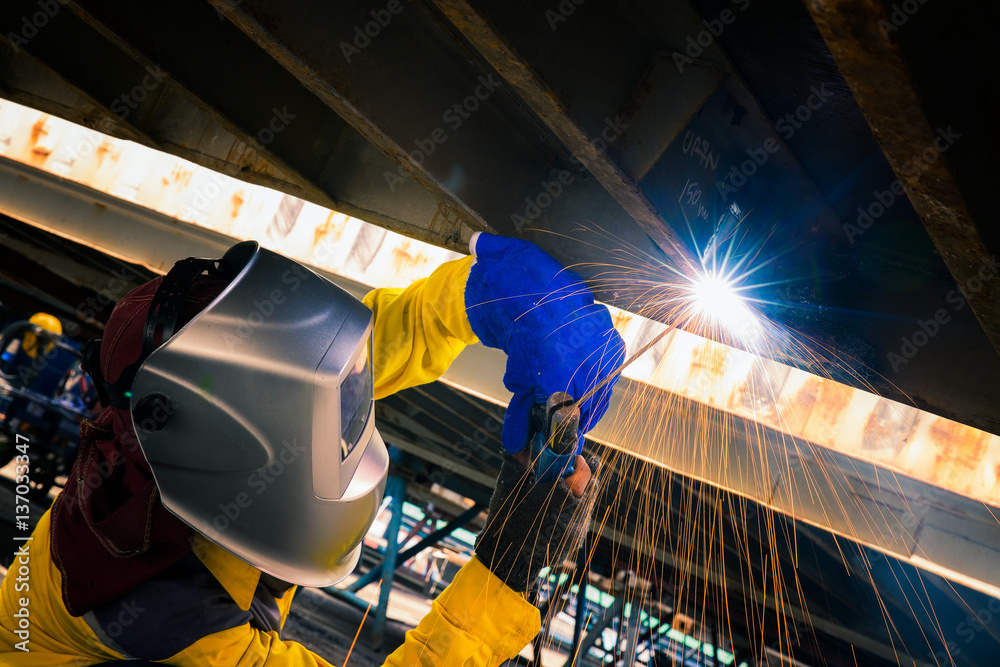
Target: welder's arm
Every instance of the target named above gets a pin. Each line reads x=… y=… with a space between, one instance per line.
x=420 y=330
x=476 y=621
x=483 y=618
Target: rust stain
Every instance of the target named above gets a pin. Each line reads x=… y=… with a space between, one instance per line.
x=104 y=149
x=39 y=153
x=329 y=227
x=445 y=222
x=707 y=365
x=181 y=176
x=958 y=450
x=621 y=319
x=237 y=200
x=757 y=394
x=799 y=404
x=831 y=400
x=38 y=130
x=888 y=429
x=404 y=261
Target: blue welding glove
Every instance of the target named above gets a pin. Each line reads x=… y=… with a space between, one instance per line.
x=522 y=301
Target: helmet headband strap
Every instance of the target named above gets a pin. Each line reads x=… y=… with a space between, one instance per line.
x=161 y=323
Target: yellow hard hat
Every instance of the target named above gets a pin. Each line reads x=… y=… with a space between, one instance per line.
x=47 y=322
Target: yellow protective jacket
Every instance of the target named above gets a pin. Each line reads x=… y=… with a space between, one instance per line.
x=212 y=609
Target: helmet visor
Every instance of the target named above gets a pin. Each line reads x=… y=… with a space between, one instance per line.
x=356 y=396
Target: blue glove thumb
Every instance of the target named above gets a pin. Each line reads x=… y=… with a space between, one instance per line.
x=516 y=421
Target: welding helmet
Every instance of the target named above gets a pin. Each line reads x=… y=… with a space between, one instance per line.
x=257 y=416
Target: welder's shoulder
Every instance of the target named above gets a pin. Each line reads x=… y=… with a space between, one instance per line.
x=168 y=614
x=184 y=614
x=208 y=608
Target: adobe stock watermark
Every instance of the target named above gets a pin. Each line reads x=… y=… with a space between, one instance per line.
x=128 y=612
x=44 y=352
x=21 y=568
x=884 y=199
x=262 y=309
x=259 y=481
x=968 y=629
x=695 y=45
x=363 y=35
x=278 y=123
x=927 y=329
x=454 y=117
x=552 y=189
x=786 y=126
x=561 y=13
x=900 y=14
x=32 y=24
x=85 y=147
x=130 y=100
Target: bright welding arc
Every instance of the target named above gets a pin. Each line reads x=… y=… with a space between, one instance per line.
x=719 y=300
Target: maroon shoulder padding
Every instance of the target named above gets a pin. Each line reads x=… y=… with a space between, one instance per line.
x=110 y=532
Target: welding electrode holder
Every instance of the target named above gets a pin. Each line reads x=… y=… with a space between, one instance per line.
x=554 y=436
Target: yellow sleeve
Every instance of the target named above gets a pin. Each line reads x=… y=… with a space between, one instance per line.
x=420 y=330
x=245 y=646
x=35 y=628
x=477 y=622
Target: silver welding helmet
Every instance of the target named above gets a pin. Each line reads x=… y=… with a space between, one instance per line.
x=257 y=419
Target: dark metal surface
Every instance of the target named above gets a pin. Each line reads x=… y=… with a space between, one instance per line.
x=219 y=102
x=77 y=284
x=926 y=106
x=922 y=90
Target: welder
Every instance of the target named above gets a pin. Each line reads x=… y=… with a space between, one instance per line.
x=160 y=549
x=29 y=365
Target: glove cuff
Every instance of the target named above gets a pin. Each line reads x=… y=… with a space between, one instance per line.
x=531 y=526
x=472 y=245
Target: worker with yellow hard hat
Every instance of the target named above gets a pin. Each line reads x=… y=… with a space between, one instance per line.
x=47 y=323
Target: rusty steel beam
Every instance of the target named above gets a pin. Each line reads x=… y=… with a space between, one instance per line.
x=145 y=105
x=195 y=103
x=458 y=220
x=922 y=152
